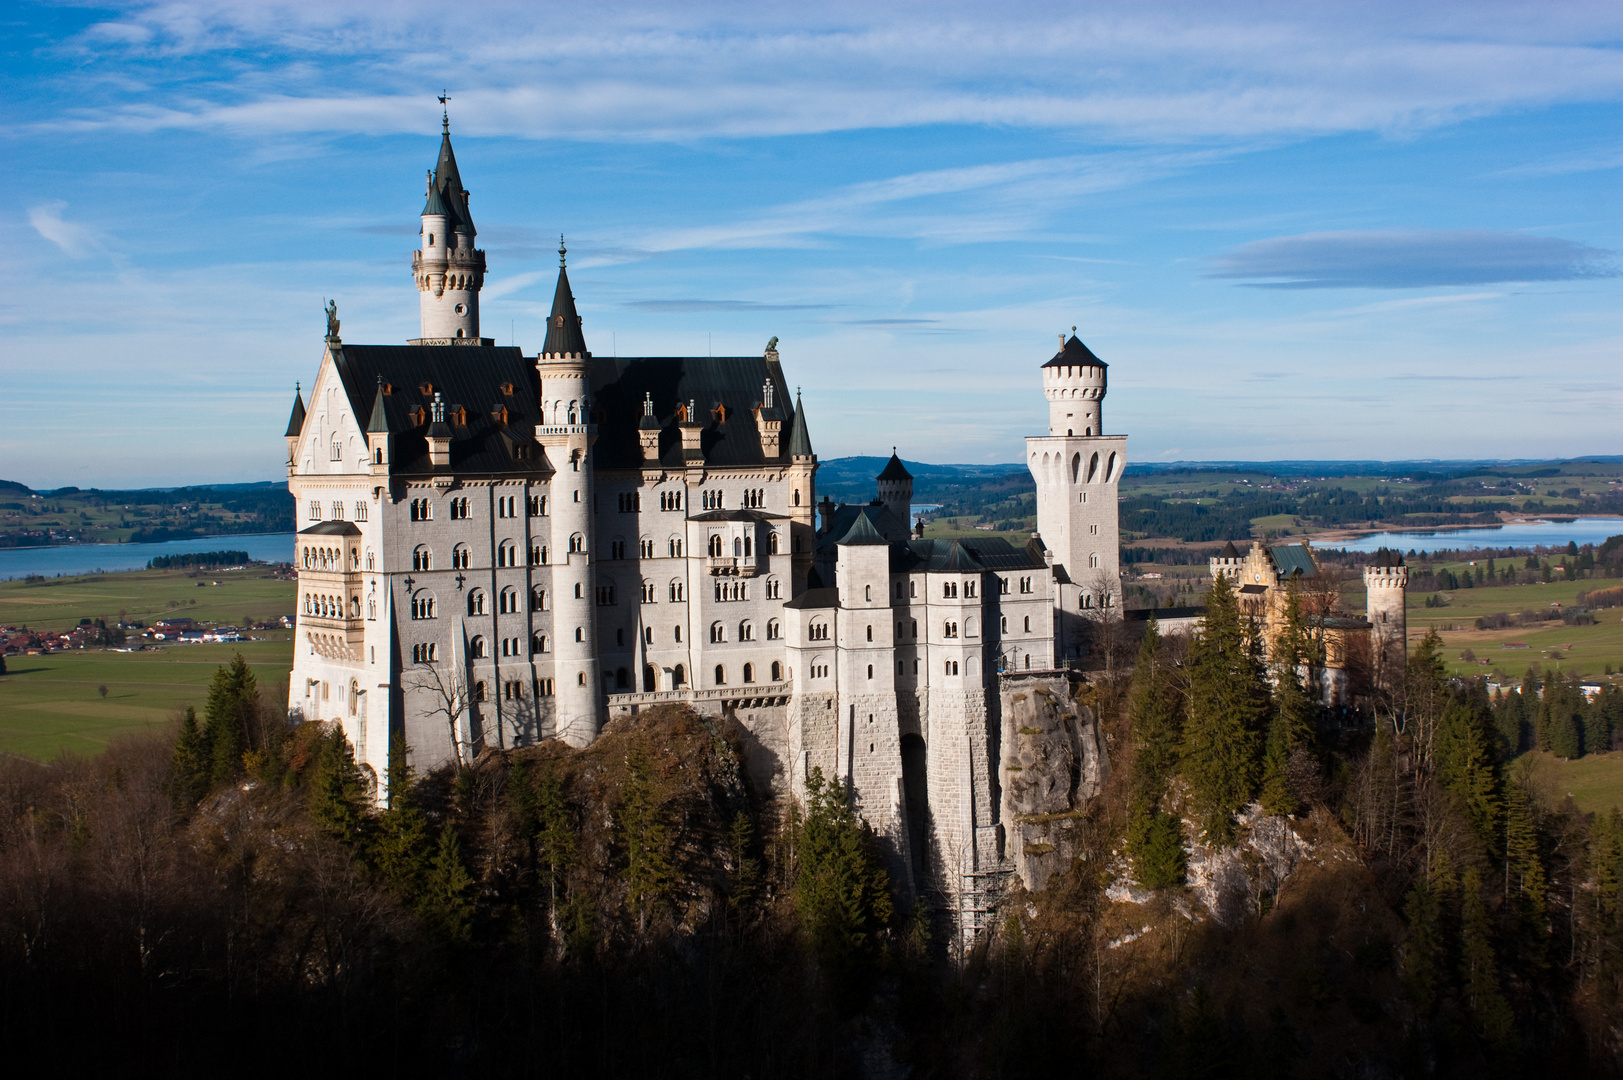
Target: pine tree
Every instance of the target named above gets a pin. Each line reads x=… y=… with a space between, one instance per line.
x=645 y=838
x=447 y=898
x=1524 y=869
x=401 y=849
x=555 y=836
x=233 y=700
x=1291 y=724
x=1155 y=845
x=1228 y=705
x=1423 y=952
x=338 y=802
x=1562 y=706
x=1464 y=765
x=191 y=763
x=842 y=892
x=1478 y=967
x=1154 y=837
x=743 y=882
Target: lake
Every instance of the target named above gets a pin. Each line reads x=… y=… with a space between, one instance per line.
x=1521 y=534
x=88 y=558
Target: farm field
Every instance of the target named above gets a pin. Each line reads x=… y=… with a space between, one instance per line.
x=223 y=596
x=1595 y=781
x=52 y=704
x=1593 y=647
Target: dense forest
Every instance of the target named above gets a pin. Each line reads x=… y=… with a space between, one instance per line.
x=226 y=898
x=93 y=515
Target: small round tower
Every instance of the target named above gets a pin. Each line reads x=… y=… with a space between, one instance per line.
x=1386 y=583
x=448 y=268
x=896 y=489
x=1074 y=384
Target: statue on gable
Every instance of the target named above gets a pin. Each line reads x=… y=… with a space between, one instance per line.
x=332 y=320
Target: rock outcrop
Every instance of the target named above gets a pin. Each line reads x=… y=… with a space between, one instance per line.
x=1053 y=763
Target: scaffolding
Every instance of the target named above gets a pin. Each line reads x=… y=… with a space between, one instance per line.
x=978 y=902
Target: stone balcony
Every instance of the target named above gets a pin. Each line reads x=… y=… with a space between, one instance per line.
x=732 y=566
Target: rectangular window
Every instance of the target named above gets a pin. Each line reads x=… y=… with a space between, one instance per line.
x=544 y=688
x=315 y=510
x=360 y=510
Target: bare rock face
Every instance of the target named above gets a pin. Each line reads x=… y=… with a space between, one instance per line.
x=1053 y=763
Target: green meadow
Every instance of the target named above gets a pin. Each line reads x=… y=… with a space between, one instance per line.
x=223 y=596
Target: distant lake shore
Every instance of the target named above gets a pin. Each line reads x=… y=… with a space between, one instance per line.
x=71 y=559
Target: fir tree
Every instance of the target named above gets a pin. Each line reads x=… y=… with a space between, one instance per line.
x=555 y=836
x=842 y=892
x=401 y=849
x=1154 y=837
x=743 y=882
x=447 y=898
x=338 y=802
x=191 y=762
x=1524 y=869
x=1478 y=968
x=1422 y=953
x=1228 y=705
x=1464 y=765
x=645 y=837
x=1291 y=724
x=233 y=700
x=1155 y=844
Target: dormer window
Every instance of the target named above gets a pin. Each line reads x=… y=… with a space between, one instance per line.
x=507 y=389
x=427 y=389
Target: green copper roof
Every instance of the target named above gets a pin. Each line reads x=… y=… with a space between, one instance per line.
x=799 y=439
x=1294 y=559
x=380 y=415
x=295 y=423
x=862 y=532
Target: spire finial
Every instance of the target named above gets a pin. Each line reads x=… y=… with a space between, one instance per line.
x=439 y=408
x=648 y=403
x=563 y=252
x=1073 y=329
x=445 y=113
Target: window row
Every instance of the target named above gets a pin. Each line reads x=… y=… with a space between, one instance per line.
x=332 y=607
x=460 y=509
x=746 y=631
x=337 y=510
x=749 y=672
x=333 y=559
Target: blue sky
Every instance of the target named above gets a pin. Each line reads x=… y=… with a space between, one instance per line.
x=1293 y=230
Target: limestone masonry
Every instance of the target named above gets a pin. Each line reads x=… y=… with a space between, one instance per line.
x=498 y=549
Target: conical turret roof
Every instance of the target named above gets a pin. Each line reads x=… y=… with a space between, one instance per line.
x=380 y=417
x=1075 y=354
x=564 y=335
x=295 y=423
x=799 y=438
x=447 y=187
x=894 y=469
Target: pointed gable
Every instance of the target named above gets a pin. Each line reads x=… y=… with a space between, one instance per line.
x=295 y=423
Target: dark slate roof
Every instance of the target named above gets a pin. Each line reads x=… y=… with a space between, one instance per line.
x=1338 y=622
x=434 y=204
x=1146 y=614
x=295 y=423
x=332 y=528
x=448 y=182
x=724 y=391
x=1230 y=551
x=1075 y=354
x=470 y=379
x=894 y=470
x=380 y=416
x=1293 y=559
x=862 y=532
x=816 y=598
x=737 y=515
x=799 y=438
x=971 y=556
x=563 y=325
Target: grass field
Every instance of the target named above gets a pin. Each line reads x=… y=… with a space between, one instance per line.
x=146 y=596
x=1594 y=781
x=1593 y=647
x=51 y=704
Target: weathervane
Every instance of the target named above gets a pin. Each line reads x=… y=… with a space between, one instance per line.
x=445 y=113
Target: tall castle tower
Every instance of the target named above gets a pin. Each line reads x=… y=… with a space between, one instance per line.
x=895 y=485
x=449 y=270
x=567 y=431
x=1386 y=585
x=1078 y=470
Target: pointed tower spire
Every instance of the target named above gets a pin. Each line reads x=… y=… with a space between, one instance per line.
x=799 y=438
x=295 y=423
x=448 y=269
x=380 y=417
x=564 y=337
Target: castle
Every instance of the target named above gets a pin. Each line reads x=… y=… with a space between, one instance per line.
x=498 y=548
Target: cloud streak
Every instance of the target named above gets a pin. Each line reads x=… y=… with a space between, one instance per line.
x=1410 y=259
x=76 y=241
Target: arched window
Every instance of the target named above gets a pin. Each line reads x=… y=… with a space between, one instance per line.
x=509 y=602
x=749 y=673
x=715 y=546
x=577 y=543
x=677 y=589
x=1028 y=624
x=870 y=671
x=777 y=671
x=679 y=676
x=746 y=631
x=422 y=559
x=774 y=630
x=506 y=554
x=721 y=675
x=870 y=633
x=772 y=542
x=718 y=632
x=867 y=593
x=476 y=602
x=538 y=599
x=479 y=691
x=459 y=557
x=738 y=546
x=477 y=647
x=969 y=627
x=538 y=643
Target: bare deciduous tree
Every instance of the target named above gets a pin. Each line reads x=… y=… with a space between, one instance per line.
x=447 y=690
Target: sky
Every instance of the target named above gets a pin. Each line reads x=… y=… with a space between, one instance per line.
x=1293 y=231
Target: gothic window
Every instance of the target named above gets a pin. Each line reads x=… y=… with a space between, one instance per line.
x=746 y=632
x=679 y=676
x=422 y=510
x=676 y=590
x=422 y=559
x=630 y=502
x=718 y=633
x=1093 y=560
x=950 y=667
x=538 y=599
x=777 y=671
x=315 y=510
x=1025 y=585
x=670 y=500
x=337 y=451
x=577 y=544
x=749 y=673
x=617 y=549
x=676 y=547
x=1027 y=626
x=605 y=594
x=507 y=554
x=774 y=589
x=477 y=647
x=459 y=509
x=424 y=653
x=721 y=675
x=422 y=606
x=645 y=547
x=817 y=631
x=459 y=557
x=969 y=589
x=772 y=542
x=774 y=631
x=715 y=546
x=649 y=592
x=538 y=643
x=371 y=609
x=508 y=602
x=479 y=689
x=476 y=602
x=950 y=630
x=949 y=589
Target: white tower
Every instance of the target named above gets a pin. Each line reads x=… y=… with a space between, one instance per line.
x=895 y=485
x=1078 y=470
x=449 y=270
x=1386 y=585
x=567 y=432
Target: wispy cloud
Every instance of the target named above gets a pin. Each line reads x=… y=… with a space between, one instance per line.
x=695 y=71
x=76 y=241
x=1410 y=259
x=683 y=307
